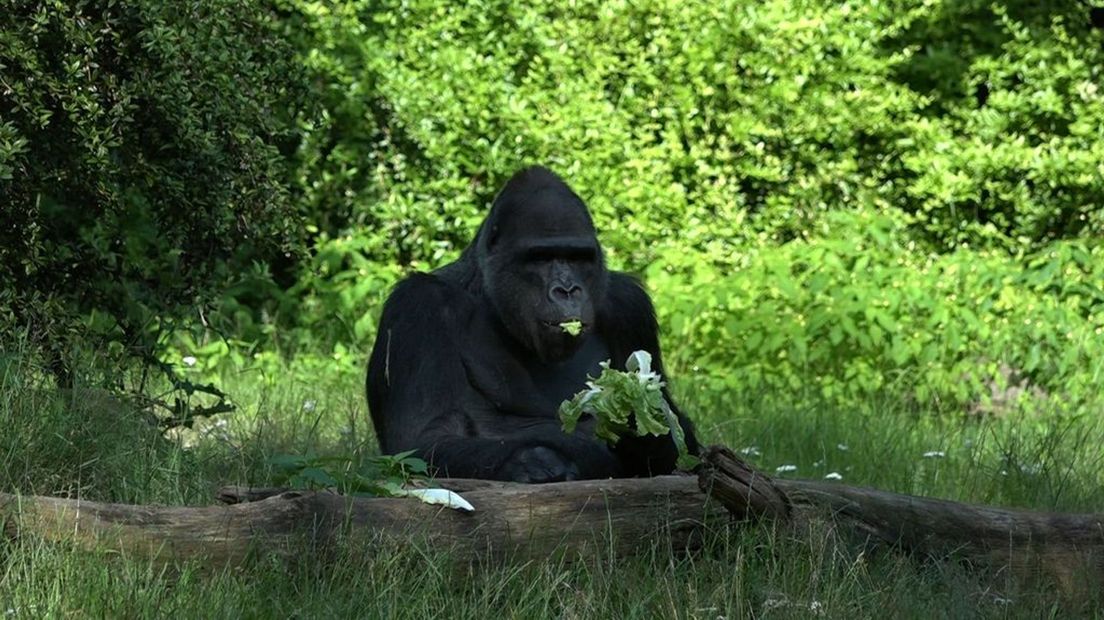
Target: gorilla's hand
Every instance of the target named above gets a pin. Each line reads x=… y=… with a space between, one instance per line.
x=536 y=464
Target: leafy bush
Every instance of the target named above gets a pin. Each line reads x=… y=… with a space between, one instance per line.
x=702 y=126
x=1006 y=148
x=680 y=114
x=837 y=198
x=713 y=120
x=856 y=310
x=139 y=160
x=383 y=475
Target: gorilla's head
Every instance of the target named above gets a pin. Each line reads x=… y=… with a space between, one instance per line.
x=541 y=264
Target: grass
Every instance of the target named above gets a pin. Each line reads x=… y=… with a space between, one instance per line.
x=98 y=448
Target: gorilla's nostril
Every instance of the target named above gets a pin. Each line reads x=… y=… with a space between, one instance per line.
x=565 y=292
x=560 y=291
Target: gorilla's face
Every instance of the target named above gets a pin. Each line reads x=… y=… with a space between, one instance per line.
x=542 y=265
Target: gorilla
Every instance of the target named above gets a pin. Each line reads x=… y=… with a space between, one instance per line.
x=471 y=363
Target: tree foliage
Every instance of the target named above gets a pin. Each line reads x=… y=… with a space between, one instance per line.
x=705 y=123
x=140 y=159
x=840 y=196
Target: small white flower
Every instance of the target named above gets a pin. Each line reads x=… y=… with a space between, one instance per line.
x=781 y=469
x=842 y=447
x=815 y=607
x=1031 y=469
x=935 y=454
x=309 y=405
x=189 y=360
x=834 y=476
x=751 y=451
x=773 y=603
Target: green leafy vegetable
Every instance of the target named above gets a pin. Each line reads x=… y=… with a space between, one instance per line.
x=384 y=475
x=375 y=476
x=616 y=399
x=572 y=327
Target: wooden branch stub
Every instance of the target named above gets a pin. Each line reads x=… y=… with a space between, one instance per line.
x=746 y=492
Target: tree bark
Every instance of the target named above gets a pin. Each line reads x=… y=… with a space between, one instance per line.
x=516 y=520
x=532 y=521
x=1066 y=550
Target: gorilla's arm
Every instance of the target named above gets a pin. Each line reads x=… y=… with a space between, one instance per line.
x=629 y=324
x=421 y=399
x=542 y=456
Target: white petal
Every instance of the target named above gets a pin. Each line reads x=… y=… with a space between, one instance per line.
x=785 y=468
x=189 y=360
x=441 y=497
x=935 y=454
x=834 y=476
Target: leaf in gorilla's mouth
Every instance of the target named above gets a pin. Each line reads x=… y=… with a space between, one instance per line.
x=572 y=327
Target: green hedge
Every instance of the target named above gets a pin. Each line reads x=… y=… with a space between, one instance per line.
x=704 y=123
x=856 y=311
x=140 y=160
x=934 y=153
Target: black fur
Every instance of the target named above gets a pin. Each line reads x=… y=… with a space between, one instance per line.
x=469 y=369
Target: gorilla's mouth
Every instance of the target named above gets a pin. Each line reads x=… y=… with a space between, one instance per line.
x=557 y=325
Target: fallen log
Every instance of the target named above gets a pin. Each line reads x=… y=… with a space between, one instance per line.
x=510 y=519
x=532 y=521
x=1066 y=550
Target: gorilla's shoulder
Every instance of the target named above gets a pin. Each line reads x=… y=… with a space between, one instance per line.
x=628 y=319
x=422 y=285
x=425 y=296
x=628 y=298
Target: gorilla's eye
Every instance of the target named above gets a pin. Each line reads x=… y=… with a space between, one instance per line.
x=547 y=253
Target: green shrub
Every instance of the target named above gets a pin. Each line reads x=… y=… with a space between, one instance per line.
x=690 y=118
x=697 y=125
x=1006 y=149
x=842 y=207
x=139 y=160
x=710 y=121
x=856 y=311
